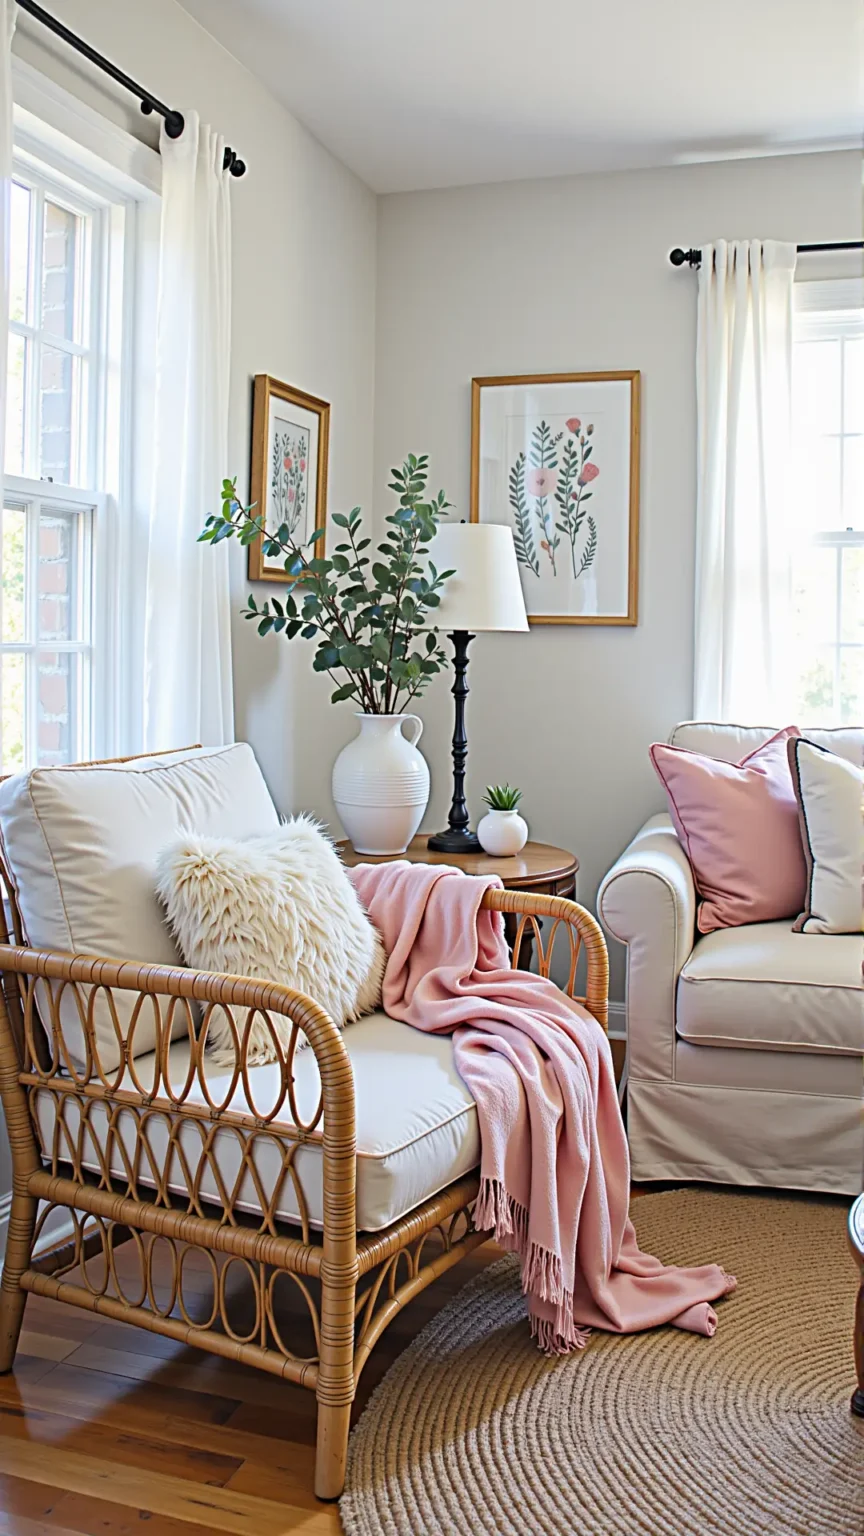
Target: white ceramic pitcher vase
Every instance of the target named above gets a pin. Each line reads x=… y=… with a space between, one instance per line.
x=381 y=784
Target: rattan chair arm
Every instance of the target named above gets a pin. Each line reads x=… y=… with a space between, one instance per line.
x=584 y=931
x=179 y=981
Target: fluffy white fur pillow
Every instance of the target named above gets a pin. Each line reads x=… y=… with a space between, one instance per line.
x=280 y=908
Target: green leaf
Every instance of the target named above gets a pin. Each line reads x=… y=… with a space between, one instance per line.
x=318 y=534
x=339 y=519
x=355 y=657
x=381 y=647
x=345 y=692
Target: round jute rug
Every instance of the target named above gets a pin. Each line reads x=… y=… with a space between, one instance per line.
x=655 y=1434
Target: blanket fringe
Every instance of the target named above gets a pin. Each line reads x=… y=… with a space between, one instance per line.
x=552 y=1341
x=498 y=1212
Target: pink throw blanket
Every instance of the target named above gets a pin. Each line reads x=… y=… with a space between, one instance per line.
x=555 y=1169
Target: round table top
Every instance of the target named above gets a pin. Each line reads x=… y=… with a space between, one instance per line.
x=537 y=864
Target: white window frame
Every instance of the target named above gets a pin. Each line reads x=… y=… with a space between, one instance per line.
x=91 y=351
x=71 y=147
x=827 y=310
x=31 y=496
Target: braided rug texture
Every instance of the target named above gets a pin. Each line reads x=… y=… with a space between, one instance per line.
x=656 y=1434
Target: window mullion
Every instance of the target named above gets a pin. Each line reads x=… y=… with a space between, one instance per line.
x=838 y=626
x=33 y=353
x=31 y=632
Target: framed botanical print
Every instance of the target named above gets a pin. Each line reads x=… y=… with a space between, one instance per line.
x=556 y=457
x=290 y=436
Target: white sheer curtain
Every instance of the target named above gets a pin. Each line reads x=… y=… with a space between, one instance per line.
x=743 y=516
x=187 y=644
x=8 y=13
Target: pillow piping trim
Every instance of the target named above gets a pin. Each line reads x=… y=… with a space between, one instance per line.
x=799 y=926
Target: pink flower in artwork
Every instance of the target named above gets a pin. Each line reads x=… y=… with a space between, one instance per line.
x=302 y=464
x=290 y=493
x=573 y=424
x=589 y=473
x=288 y=461
x=542 y=482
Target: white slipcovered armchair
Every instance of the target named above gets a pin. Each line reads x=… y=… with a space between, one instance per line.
x=745 y=1045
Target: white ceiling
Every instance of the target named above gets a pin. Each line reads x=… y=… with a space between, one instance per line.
x=433 y=93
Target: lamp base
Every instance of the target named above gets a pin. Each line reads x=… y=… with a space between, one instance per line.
x=454 y=841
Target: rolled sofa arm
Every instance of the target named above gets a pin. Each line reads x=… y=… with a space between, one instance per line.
x=648 y=902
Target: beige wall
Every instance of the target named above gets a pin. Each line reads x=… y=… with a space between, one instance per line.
x=303 y=310
x=560 y=275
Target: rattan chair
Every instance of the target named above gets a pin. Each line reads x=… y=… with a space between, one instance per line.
x=352 y=1283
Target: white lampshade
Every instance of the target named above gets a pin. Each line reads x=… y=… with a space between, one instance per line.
x=485 y=592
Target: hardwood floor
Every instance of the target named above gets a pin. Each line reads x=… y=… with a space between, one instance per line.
x=104 y=1427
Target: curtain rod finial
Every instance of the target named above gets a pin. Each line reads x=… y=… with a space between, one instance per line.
x=692 y=257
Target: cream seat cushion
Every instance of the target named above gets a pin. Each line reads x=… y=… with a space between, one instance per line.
x=416 y=1127
x=82 y=842
x=764 y=987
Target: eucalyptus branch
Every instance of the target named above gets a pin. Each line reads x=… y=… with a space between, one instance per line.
x=366 y=623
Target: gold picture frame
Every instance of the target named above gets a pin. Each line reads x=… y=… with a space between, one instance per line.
x=290 y=445
x=533 y=440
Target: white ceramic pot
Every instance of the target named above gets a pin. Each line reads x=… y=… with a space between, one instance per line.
x=381 y=784
x=502 y=833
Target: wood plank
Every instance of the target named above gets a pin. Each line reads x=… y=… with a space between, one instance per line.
x=217 y=1509
x=72 y=1515
x=139 y=1402
x=201 y=1373
x=196 y=1463
x=20 y=1525
x=101 y=1517
x=127 y=1415
x=46 y=1346
x=33 y=1501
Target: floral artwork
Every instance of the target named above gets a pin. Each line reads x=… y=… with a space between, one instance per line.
x=557 y=458
x=555 y=481
x=290 y=432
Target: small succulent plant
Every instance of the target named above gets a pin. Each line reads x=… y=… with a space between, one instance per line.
x=501 y=797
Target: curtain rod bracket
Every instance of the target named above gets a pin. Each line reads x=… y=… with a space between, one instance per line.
x=174 y=121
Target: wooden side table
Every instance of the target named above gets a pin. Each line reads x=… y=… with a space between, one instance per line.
x=539 y=867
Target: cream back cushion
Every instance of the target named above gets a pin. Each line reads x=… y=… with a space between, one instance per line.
x=277 y=908
x=730 y=742
x=830 y=795
x=81 y=846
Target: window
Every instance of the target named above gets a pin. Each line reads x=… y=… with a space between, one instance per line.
x=828 y=404
x=54 y=506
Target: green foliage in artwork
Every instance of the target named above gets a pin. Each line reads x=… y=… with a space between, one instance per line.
x=371 y=617
x=590 y=548
x=523 y=533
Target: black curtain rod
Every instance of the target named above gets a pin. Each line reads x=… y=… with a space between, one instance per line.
x=174 y=123
x=693 y=258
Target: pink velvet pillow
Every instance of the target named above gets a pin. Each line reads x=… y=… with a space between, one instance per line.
x=738 y=824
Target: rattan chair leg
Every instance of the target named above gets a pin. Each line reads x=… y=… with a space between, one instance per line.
x=19 y=1246
x=331 y=1450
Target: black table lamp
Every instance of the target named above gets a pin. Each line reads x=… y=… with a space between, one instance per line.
x=484 y=594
